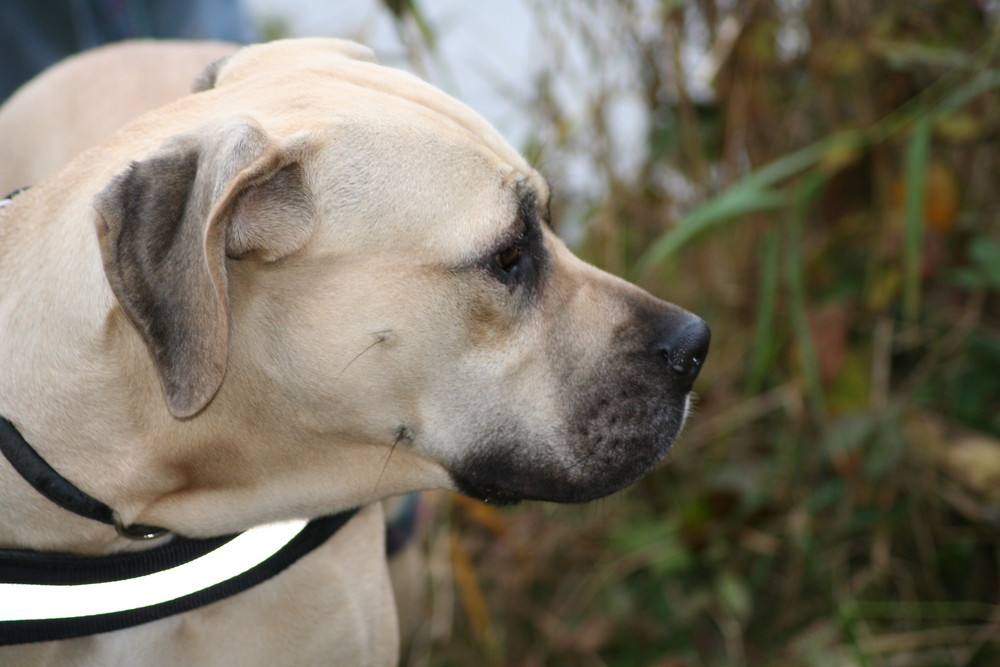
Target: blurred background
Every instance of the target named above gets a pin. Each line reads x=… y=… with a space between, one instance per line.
x=819 y=180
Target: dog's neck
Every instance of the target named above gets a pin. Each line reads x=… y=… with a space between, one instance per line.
x=222 y=472
x=216 y=488
x=197 y=482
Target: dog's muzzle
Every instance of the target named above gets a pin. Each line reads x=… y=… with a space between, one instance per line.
x=627 y=410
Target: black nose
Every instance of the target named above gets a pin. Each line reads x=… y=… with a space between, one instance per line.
x=685 y=346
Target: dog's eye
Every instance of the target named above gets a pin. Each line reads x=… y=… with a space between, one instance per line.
x=515 y=264
x=508 y=258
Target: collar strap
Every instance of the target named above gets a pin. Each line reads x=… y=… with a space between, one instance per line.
x=37 y=472
x=6 y=200
x=46 y=596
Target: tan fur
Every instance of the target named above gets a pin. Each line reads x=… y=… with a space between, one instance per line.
x=279 y=297
x=93 y=93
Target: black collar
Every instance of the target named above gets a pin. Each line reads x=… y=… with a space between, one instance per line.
x=49 y=596
x=37 y=472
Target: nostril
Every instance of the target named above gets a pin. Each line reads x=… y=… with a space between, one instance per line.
x=681 y=363
x=686 y=348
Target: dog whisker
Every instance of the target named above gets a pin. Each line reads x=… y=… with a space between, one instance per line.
x=402 y=434
x=380 y=337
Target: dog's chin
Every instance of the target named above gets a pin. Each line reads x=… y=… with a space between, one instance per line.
x=501 y=484
x=501 y=477
x=610 y=446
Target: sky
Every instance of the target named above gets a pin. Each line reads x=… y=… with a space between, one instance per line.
x=487 y=52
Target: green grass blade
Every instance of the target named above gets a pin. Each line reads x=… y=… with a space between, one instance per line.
x=765 y=344
x=806 y=192
x=963 y=95
x=735 y=202
x=916 y=174
x=754 y=193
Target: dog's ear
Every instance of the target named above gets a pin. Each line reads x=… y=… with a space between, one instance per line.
x=166 y=227
x=206 y=80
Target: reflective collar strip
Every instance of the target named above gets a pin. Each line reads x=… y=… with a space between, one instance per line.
x=51 y=610
x=37 y=601
x=6 y=200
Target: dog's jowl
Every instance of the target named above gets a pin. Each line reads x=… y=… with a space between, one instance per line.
x=312 y=284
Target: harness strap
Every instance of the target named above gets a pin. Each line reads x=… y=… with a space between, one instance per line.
x=41 y=598
x=11 y=195
x=47 y=596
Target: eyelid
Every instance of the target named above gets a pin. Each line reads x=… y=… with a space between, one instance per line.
x=519 y=238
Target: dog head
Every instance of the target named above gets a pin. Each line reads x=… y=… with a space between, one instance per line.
x=340 y=248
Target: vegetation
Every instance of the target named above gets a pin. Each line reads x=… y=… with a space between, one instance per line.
x=819 y=180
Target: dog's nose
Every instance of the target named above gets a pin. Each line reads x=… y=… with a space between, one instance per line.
x=685 y=346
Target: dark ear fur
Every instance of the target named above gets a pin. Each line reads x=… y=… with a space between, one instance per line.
x=206 y=80
x=166 y=226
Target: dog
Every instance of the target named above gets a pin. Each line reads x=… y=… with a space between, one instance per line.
x=314 y=283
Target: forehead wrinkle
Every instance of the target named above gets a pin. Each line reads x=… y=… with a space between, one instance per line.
x=532 y=186
x=510 y=196
x=532 y=192
x=406 y=87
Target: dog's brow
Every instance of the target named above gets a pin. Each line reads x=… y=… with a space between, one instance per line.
x=528 y=205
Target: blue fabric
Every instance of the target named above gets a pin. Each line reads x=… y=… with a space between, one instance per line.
x=34 y=35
